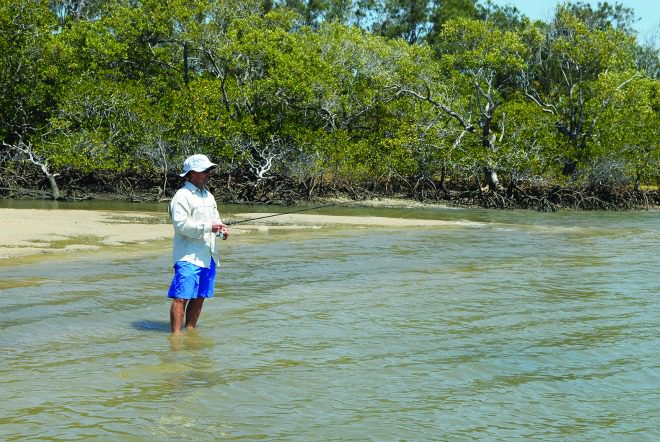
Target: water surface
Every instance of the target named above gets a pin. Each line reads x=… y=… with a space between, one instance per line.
x=504 y=326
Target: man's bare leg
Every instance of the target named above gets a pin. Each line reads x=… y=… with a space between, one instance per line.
x=193 y=311
x=177 y=311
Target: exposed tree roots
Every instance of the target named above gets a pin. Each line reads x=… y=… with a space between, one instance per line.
x=287 y=191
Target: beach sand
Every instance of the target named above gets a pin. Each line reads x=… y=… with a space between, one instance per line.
x=30 y=232
x=27 y=232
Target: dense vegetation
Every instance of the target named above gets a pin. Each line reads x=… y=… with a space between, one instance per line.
x=453 y=100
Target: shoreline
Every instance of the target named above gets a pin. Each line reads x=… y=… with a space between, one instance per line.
x=35 y=234
x=30 y=234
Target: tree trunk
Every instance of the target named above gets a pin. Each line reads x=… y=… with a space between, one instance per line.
x=491 y=178
x=570 y=166
x=54 y=189
x=26 y=149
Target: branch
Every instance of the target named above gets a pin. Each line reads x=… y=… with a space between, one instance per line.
x=26 y=149
x=464 y=124
x=266 y=156
x=546 y=107
x=458 y=139
x=489 y=109
x=220 y=74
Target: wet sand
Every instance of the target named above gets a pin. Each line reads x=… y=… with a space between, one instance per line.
x=29 y=232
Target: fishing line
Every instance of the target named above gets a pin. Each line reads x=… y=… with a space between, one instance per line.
x=233 y=223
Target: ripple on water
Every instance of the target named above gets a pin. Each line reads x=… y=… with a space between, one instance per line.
x=525 y=327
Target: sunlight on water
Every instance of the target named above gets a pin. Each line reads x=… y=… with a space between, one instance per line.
x=504 y=326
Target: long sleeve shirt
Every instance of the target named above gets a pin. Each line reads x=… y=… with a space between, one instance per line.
x=192 y=211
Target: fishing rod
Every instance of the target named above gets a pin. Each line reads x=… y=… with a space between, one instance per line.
x=233 y=223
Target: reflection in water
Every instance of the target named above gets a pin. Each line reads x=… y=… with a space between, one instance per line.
x=524 y=326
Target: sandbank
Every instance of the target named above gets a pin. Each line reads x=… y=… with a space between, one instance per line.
x=31 y=232
x=27 y=232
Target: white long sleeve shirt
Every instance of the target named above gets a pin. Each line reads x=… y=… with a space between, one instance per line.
x=192 y=211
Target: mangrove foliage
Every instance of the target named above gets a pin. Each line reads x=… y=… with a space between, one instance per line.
x=454 y=100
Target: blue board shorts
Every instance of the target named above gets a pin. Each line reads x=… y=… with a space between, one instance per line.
x=191 y=281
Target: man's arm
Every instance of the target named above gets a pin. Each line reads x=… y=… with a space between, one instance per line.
x=181 y=214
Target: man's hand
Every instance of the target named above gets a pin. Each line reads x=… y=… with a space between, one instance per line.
x=216 y=226
x=220 y=229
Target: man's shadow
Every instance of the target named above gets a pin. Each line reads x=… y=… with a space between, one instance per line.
x=152 y=326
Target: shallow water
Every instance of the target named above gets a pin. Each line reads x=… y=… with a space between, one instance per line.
x=504 y=326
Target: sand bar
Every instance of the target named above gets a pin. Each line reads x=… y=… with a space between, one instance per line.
x=29 y=232
x=25 y=232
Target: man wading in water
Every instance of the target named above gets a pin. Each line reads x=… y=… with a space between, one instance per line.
x=197 y=223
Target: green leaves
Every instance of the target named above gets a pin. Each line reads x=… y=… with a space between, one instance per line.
x=26 y=72
x=475 y=44
x=572 y=77
x=130 y=84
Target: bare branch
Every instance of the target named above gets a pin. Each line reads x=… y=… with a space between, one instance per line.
x=25 y=149
x=446 y=109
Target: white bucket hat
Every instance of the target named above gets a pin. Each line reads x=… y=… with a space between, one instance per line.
x=197 y=163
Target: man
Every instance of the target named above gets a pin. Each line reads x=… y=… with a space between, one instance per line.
x=196 y=221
